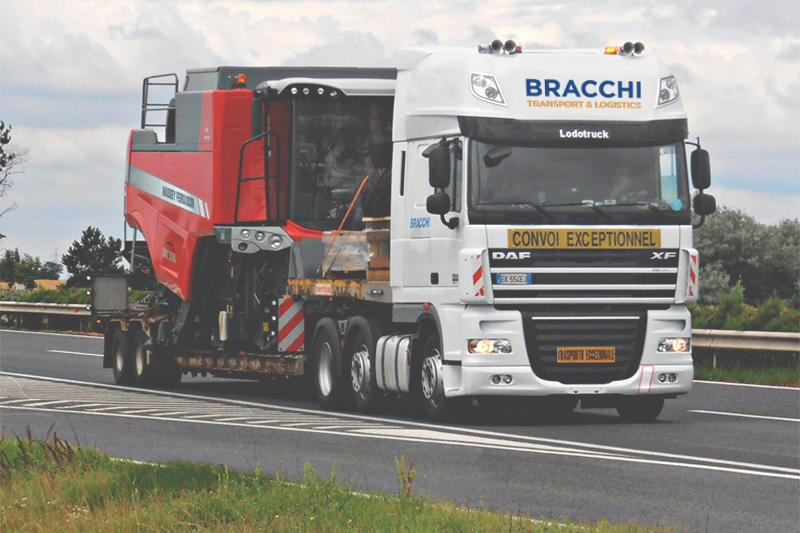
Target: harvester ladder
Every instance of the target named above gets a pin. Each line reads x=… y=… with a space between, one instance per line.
x=153 y=104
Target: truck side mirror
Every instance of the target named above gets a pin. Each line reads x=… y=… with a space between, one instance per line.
x=701 y=169
x=704 y=204
x=438 y=203
x=439 y=167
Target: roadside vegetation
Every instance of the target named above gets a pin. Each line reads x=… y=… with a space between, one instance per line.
x=62 y=295
x=51 y=486
x=783 y=377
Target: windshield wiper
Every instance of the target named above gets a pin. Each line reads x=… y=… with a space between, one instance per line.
x=652 y=207
x=587 y=203
x=539 y=209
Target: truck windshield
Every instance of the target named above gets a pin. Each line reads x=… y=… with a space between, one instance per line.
x=621 y=185
x=335 y=145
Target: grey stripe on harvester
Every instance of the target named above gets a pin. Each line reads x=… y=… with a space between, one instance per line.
x=159 y=188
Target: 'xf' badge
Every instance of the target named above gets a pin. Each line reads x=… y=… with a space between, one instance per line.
x=664 y=255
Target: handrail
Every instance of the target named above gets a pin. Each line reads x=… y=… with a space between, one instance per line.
x=266 y=178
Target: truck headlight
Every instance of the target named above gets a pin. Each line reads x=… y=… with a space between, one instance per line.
x=667 y=90
x=486 y=346
x=486 y=88
x=675 y=345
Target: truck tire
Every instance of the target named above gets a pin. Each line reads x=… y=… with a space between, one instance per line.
x=638 y=409
x=143 y=374
x=329 y=383
x=360 y=345
x=123 y=362
x=436 y=405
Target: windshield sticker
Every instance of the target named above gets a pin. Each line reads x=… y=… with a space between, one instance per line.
x=677 y=205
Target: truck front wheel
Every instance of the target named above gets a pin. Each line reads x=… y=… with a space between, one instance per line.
x=123 y=360
x=437 y=406
x=638 y=409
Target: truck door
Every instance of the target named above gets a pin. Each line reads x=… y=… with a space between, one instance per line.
x=428 y=249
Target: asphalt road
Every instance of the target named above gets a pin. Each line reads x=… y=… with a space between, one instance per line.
x=723 y=459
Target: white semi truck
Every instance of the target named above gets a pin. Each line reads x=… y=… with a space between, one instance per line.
x=474 y=225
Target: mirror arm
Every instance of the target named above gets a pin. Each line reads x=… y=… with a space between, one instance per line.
x=698 y=224
x=451 y=224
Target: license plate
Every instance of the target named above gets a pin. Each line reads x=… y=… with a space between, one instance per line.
x=586 y=354
x=514 y=279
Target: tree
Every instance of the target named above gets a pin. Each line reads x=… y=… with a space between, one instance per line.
x=93 y=254
x=28 y=271
x=51 y=270
x=735 y=248
x=8 y=265
x=11 y=160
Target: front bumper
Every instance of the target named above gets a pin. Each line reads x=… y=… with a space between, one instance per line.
x=477 y=381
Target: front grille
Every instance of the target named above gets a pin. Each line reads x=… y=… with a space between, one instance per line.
x=543 y=335
x=626 y=277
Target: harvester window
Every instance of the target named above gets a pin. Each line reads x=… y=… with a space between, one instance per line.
x=336 y=146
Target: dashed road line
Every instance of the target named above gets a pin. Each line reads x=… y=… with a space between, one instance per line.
x=123 y=402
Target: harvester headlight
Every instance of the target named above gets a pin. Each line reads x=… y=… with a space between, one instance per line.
x=275 y=241
x=674 y=345
x=485 y=87
x=260 y=236
x=487 y=346
x=668 y=90
x=245 y=233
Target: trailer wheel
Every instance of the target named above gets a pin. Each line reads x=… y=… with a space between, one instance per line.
x=361 y=354
x=328 y=382
x=437 y=406
x=638 y=409
x=144 y=374
x=123 y=362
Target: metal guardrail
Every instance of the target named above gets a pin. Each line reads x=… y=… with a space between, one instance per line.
x=702 y=338
x=746 y=340
x=45 y=309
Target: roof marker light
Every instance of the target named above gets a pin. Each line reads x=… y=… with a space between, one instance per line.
x=240 y=82
x=611 y=50
x=510 y=46
x=638 y=48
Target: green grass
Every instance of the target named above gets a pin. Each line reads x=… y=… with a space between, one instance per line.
x=50 y=486
x=786 y=377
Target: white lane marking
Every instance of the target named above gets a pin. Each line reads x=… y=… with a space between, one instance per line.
x=509 y=446
x=69 y=335
x=76 y=353
x=52 y=402
x=559 y=442
x=742 y=415
x=749 y=385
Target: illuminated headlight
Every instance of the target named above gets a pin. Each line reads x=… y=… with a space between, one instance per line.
x=485 y=346
x=486 y=88
x=668 y=90
x=275 y=241
x=674 y=345
x=245 y=233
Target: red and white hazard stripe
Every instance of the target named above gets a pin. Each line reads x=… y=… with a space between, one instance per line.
x=291 y=325
x=477 y=278
x=691 y=281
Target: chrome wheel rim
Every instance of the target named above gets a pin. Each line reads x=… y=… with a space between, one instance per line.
x=360 y=370
x=432 y=378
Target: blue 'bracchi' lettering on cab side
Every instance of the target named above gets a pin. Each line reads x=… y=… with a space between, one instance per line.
x=420 y=222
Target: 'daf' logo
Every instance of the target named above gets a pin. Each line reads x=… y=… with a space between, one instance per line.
x=168 y=253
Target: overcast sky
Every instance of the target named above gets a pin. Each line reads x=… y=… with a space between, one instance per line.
x=71 y=74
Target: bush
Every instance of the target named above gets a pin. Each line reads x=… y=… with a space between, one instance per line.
x=732 y=313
